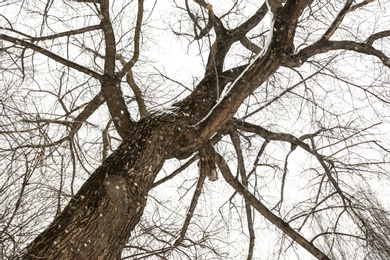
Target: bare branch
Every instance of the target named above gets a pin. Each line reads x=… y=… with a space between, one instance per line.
x=57 y=35
x=52 y=56
x=136 y=90
x=250 y=45
x=137 y=37
x=191 y=210
x=251 y=23
x=376 y=36
x=323 y=47
x=363 y=3
x=333 y=27
x=241 y=168
x=111 y=82
x=263 y=210
x=177 y=171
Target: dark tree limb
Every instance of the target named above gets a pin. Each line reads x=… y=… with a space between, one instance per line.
x=111 y=82
x=250 y=45
x=323 y=47
x=191 y=210
x=176 y=172
x=224 y=40
x=376 y=36
x=137 y=37
x=57 y=35
x=333 y=27
x=136 y=89
x=269 y=135
x=251 y=23
x=52 y=56
x=90 y=108
x=263 y=210
x=244 y=179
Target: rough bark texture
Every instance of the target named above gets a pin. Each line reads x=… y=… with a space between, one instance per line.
x=99 y=219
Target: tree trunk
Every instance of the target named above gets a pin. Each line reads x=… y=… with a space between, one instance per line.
x=98 y=220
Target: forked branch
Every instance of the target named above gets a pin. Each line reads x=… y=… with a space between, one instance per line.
x=263 y=210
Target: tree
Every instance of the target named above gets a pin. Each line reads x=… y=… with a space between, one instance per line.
x=294 y=97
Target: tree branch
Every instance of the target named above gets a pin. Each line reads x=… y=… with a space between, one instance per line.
x=57 y=35
x=250 y=45
x=323 y=47
x=333 y=27
x=90 y=108
x=176 y=172
x=136 y=90
x=263 y=210
x=241 y=168
x=52 y=56
x=191 y=210
x=251 y=23
x=269 y=135
x=137 y=36
x=376 y=36
x=203 y=31
x=111 y=82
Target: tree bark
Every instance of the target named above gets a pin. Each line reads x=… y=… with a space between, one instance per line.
x=98 y=220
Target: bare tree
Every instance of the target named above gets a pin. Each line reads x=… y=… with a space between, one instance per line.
x=267 y=138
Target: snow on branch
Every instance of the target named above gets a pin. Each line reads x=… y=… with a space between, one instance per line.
x=273 y=5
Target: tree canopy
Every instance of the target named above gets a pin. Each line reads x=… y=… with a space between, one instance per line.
x=195 y=129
